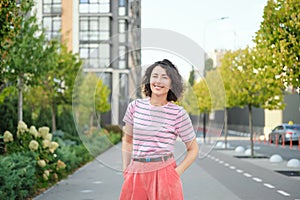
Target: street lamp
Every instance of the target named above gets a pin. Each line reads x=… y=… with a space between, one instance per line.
x=204 y=58
x=205 y=27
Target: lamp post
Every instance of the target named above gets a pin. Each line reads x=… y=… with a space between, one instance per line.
x=205 y=57
x=206 y=26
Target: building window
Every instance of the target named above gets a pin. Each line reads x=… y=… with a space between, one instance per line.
x=52 y=7
x=95 y=55
x=84 y=1
x=122 y=57
x=122 y=8
x=93 y=29
x=52 y=26
x=122 y=30
x=94 y=6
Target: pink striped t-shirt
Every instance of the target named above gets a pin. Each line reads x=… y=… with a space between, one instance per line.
x=155 y=128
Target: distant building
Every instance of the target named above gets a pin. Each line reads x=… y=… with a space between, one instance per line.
x=216 y=56
x=106 y=35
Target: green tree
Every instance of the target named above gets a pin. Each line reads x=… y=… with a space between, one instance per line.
x=278 y=38
x=257 y=84
x=208 y=65
x=25 y=53
x=204 y=100
x=93 y=98
x=56 y=86
x=192 y=77
x=8 y=16
x=231 y=85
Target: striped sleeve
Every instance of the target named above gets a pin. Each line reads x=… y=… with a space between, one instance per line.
x=184 y=127
x=128 y=117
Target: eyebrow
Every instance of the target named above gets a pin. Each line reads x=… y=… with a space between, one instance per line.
x=154 y=73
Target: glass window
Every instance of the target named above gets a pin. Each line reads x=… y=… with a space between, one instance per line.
x=104 y=51
x=122 y=11
x=104 y=23
x=56 y=25
x=84 y=53
x=84 y=25
x=94 y=25
x=52 y=26
x=94 y=6
x=84 y=1
x=122 y=2
x=95 y=55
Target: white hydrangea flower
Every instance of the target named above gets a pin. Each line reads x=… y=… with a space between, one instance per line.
x=53 y=146
x=33 y=131
x=33 y=145
x=42 y=163
x=8 y=137
x=22 y=127
x=48 y=137
x=46 y=143
x=44 y=131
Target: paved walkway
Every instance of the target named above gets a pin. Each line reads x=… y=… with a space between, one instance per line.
x=102 y=180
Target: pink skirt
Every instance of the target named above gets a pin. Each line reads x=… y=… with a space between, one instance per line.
x=152 y=181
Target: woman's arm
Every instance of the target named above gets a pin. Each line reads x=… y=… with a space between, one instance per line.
x=192 y=153
x=126 y=145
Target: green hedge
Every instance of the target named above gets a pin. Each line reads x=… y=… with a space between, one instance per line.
x=36 y=159
x=17 y=175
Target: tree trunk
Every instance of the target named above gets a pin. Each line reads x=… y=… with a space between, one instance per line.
x=225 y=126
x=204 y=126
x=53 y=117
x=20 y=98
x=251 y=130
x=91 y=120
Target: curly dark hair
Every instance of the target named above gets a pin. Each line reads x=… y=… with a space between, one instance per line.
x=176 y=80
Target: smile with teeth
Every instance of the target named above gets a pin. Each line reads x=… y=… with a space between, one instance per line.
x=158 y=86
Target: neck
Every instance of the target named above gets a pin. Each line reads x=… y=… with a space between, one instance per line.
x=158 y=101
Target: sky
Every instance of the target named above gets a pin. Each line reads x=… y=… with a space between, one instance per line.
x=200 y=21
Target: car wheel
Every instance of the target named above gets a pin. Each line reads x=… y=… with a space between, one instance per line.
x=280 y=140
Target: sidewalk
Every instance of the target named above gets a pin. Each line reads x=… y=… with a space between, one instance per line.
x=102 y=180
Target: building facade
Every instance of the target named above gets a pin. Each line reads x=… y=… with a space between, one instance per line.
x=106 y=35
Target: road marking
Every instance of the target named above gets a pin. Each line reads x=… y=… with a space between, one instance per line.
x=86 y=191
x=232 y=167
x=257 y=179
x=226 y=164
x=269 y=185
x=221 y=161
x=247 y=175
x=239 y=171
x=283 y=193
x=97 y=182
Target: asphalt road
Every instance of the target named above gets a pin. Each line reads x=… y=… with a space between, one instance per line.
x=217 y=174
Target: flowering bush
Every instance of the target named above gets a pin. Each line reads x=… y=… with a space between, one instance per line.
x=49 y=168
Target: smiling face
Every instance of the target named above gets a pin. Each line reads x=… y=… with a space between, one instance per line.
x=160 y=82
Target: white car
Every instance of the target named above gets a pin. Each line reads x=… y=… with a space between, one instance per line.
x=285 y=132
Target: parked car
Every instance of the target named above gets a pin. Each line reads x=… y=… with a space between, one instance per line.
x=285 y=132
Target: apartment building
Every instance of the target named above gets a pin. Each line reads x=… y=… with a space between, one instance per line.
x=106 y=34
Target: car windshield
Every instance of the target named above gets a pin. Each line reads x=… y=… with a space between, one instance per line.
x=293 y=127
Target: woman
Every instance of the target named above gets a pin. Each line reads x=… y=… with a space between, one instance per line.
x=152 y=126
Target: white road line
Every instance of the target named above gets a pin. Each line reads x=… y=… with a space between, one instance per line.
x=239 y=171
x=226 y=164
x=283 y=193
x=221 y=161
x=232 y=167
x=269 y=185
x=247 y=175
x=257 y=179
